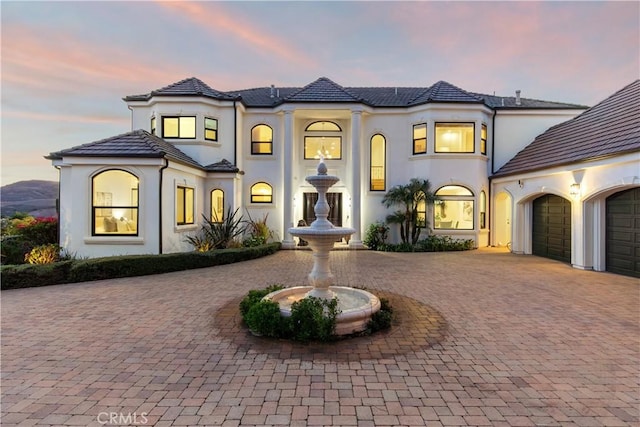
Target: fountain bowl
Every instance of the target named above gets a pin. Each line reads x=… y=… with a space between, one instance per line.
x=356 y=306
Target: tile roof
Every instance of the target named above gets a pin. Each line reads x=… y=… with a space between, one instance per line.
x=138 y=143
x=326 y=90
x=187 y=87
x=609 y=128
x=322 y=90
x=223 y=165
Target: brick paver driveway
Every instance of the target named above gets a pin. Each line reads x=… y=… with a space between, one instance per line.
x=482 y=338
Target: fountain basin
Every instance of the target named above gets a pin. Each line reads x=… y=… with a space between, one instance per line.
x=329 y=235
x=356 y=306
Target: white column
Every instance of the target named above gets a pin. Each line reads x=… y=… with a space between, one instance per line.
x=356 y=184
x=287 y=180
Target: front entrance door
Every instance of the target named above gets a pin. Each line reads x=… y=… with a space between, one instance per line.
x=335 y=208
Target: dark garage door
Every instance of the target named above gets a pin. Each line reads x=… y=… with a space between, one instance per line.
x=623 y=233
x=552 y=228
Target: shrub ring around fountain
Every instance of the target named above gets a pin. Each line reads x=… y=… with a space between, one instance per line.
x=355 y=306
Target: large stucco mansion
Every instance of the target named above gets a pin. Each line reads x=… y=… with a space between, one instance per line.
x=547 y=178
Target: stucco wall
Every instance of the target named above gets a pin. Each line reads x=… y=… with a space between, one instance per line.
x=597 y=179
x=75 y=208
x=515 y=129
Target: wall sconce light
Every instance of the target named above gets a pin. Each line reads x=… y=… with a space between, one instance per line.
x=574 y=190
x=520 y=183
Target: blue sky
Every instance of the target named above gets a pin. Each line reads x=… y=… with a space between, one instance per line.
x=67 y=65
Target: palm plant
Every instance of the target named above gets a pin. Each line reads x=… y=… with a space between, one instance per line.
x=409 y=197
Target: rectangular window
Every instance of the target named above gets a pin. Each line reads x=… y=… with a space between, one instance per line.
x=454 y=215
x=330 y=147
x=153 y=125
x=420 y=138
x=179 y=127
x=210 y=129
x=483 y=139
x=454 y=137
x=184 y=205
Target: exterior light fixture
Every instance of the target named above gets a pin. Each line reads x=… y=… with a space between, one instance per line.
x=520 y=183
x=574 y=190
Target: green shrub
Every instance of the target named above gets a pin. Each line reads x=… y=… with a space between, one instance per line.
x=254 y=296
x=124 y=266
x=218 y=234
x=20 y=234
x=313 y=319
x=14 y=249
x=264 y=318
x=435 y=243
x=43 y=254
x=32 y=275
x=381 y=319
x=258 y=230
x=376 y=235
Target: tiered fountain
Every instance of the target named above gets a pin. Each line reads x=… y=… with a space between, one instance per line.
x=356 y=306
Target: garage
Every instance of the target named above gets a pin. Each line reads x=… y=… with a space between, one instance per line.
x=623 y=233
x=552 y=228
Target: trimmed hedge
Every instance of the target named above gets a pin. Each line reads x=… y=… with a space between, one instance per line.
x=27 y=275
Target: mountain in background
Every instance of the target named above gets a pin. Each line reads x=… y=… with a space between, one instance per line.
x=35 y=197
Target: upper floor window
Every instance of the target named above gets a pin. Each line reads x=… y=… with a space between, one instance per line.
x=454 y=208
x=261 y=192
x=114 y=203
x=323 y=140
x=217 y=205
x=179 y=127
x=153 y=125
x=483 y=139
x=420 y=138
x=261 y=140
x=454 y=138
x=185 y=205
x=210 y=129
x=378 y=154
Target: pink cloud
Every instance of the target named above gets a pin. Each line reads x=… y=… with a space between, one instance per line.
x=61 y=62
x=30 y=115
x=214 y=19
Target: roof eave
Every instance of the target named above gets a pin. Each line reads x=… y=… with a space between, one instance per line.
x=556 y=165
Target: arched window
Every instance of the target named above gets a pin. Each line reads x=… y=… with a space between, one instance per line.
x=378 y=159
x=217 y=205
x=454 y=209
x=261 y=192
x=114 y=203
x=323 y=139
x=261 y=140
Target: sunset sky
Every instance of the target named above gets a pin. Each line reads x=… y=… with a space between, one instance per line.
x=67 y=65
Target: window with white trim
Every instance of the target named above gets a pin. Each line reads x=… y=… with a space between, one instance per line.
x=114 y=203
x=454 y=209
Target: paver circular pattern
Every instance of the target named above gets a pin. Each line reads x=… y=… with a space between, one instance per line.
x=510 y=340
x=416 y=326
